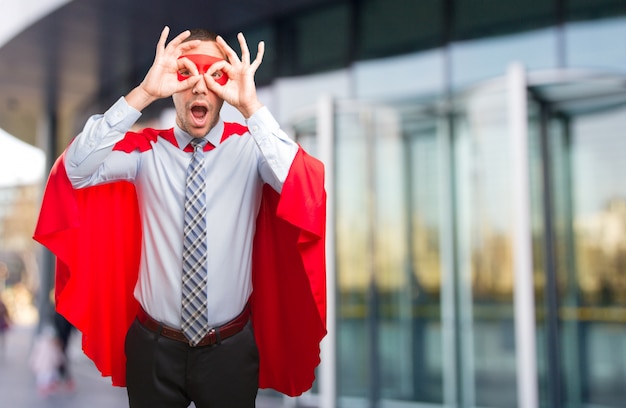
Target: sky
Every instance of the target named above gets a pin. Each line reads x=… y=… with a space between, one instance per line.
x=20 y=163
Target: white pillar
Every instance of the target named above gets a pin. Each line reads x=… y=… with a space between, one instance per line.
x=525 y=332
x=326 y=153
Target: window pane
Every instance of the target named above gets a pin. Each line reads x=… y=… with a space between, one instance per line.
x=353 y=262
x=321 y=39
x=389 y=269
x=591 y=9
x=489 y=58
x=390 y=27
x=481 y=18
x=582 y=39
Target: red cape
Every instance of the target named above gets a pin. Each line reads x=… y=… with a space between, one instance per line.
x=95 y=234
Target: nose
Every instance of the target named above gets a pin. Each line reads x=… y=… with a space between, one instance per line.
x=200 y=87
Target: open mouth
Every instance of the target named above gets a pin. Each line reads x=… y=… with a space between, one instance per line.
x=199 y=114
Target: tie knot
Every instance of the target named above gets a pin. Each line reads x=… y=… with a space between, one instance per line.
x=198 y=143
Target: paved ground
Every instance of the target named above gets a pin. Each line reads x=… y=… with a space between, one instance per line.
x=17 y=382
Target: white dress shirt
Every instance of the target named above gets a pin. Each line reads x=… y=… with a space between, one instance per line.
x=237 y=168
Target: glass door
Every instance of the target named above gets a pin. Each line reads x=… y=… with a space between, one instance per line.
x=580 y=205
x=387 y=189
x=484 y=249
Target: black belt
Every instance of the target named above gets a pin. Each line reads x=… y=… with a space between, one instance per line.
x=214 y=336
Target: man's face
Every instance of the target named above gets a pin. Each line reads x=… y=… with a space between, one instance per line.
x=197 y=113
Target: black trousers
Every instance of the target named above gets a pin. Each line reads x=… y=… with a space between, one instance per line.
x=162 y=372
x=64 y=330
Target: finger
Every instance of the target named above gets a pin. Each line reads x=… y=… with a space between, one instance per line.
x=188 y=83
x=179 y=38
x=245 y=52
x=208 y=79
x=187 y=45
x=213 y=85
x=184 y=64
x=259 y=56
x=230 y=53
x=222 y=65
x=218 y=73
x=178 y=45
x=162 y=40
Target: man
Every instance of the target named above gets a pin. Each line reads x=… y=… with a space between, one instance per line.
x=259 y=251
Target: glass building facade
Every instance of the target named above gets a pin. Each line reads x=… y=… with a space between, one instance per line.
x=476 y=160
x=424 y=194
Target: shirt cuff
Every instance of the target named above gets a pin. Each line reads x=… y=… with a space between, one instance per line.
x=121 y=115
x=262 y=119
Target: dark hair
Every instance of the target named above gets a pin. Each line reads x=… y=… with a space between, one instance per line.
x=201 y=34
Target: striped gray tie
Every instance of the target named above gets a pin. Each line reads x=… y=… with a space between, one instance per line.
x=194 y=302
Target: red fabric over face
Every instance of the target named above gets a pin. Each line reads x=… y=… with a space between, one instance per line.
x=95 y=234
x=203 y=63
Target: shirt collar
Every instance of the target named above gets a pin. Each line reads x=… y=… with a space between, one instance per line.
x=214 y=136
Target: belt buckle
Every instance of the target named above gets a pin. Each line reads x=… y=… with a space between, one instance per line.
x=211 y=336
x=214 y=337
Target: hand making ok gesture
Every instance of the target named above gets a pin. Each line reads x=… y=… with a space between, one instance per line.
x=162 y=81
x=240 y=90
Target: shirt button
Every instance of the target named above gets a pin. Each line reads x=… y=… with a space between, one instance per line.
x=254 y=128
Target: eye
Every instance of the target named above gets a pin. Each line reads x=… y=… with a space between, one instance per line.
x=217 y=74
x=184 y=72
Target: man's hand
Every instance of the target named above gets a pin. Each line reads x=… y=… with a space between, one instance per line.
x=240 y=90
x=161 y=81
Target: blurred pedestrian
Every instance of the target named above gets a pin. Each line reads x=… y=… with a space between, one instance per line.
x=45 y=359
x=5 y=324
x=64 y=331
